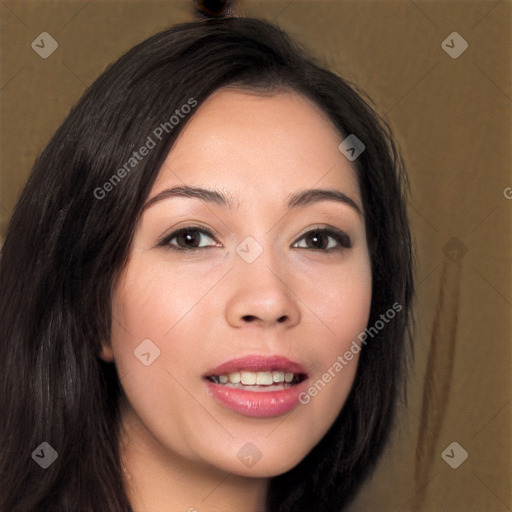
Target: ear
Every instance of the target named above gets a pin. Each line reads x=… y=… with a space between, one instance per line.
x=106 y=353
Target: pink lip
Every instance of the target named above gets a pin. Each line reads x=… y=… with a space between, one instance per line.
x=258 y=364
x=255 y=404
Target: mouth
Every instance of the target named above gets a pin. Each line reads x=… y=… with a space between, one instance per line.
x=257 y=386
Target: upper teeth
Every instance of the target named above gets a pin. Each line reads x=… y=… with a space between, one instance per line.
x=255 y=378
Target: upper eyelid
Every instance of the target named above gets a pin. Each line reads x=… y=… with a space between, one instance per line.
x=206 y=230
x=173 y=234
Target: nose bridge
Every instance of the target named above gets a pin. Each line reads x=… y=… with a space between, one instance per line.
x=260 y=262
x=260 y=291
x=256 y=253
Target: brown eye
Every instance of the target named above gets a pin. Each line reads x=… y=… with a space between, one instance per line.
x=187 y=239
x=324 y=240
x=318 y=241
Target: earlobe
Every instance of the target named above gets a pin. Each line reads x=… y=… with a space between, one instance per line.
x=106 y=353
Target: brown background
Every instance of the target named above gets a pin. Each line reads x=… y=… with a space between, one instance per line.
x=452 y=120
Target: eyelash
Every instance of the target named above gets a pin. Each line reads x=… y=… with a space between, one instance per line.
x=341 y=238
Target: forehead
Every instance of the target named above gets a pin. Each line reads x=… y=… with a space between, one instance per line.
x=258 y=146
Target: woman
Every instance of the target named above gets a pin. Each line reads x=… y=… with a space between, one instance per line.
x=206 y=287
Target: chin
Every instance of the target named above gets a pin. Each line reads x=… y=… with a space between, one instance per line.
x=261 y=463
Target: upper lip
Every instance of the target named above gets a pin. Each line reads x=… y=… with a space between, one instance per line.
x=258 y=363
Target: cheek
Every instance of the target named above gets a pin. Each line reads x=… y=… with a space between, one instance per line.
x=349 y=306
x=144 y=310
x=340 y=303
x=152 y=343
x=158 y=316
x=153 y=298
x=341 y=300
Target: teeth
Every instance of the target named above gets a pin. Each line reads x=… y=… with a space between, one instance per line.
x=255 y=378
x=278 y=376
x=234 y=377
x=248 y=378
x=264 y=379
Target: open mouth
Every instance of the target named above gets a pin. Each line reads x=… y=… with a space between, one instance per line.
x=258 y=381
x=257 y=386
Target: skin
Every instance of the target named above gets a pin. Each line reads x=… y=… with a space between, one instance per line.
x=179 y=446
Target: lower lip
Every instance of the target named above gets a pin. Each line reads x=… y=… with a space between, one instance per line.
x=257 y=404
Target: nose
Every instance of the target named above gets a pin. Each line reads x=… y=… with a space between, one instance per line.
x=261 y=295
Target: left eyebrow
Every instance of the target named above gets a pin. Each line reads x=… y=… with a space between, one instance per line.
x=297 y=200
x=315 y=195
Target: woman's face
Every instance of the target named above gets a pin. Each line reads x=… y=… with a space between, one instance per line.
x=271 y=280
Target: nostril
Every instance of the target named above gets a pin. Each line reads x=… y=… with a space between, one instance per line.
x=251 y=318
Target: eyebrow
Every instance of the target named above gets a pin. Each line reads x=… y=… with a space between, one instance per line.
x=315 y=195
x=298 y=199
